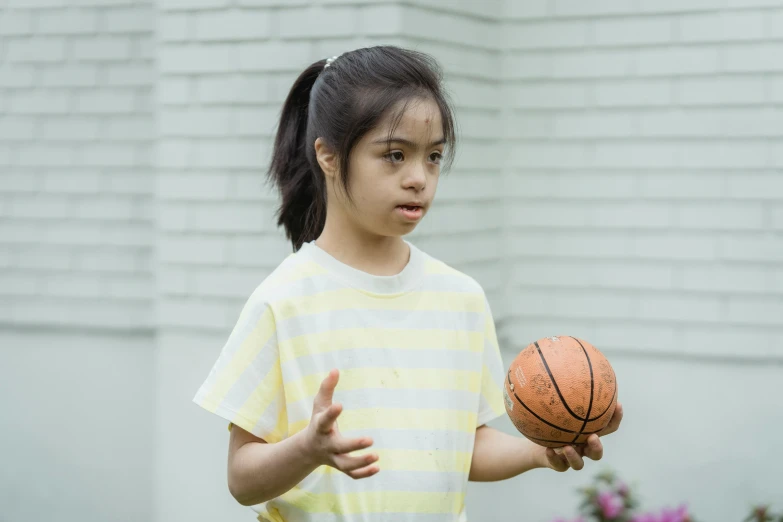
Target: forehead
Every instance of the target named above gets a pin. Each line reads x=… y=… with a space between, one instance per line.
x=414 y=117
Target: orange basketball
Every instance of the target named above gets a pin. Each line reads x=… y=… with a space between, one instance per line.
x=559 y=390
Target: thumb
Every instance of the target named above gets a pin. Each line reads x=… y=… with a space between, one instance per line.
x=323 y=399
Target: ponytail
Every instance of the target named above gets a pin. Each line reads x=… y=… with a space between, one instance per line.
x=294 y=169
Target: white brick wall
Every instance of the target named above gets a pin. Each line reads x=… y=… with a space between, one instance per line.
x=76 y=131
x=645 y=185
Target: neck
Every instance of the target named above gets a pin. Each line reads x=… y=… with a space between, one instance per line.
x=360 y=249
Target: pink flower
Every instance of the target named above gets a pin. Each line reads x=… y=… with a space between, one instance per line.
x=611 y=505
x=645 y=517
x=622 y=489
x=675 y=515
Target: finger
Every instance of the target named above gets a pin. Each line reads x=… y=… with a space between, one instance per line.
x=343 y=445
x=326 y=419
x=323 y=399
x=594 y=449
x=556 y=459
x=574 y=460
x=361 y=473
x=348 y=463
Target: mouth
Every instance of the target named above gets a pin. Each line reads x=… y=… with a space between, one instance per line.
x=410 y=212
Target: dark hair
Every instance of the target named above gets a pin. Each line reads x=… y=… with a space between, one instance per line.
x=340 y=104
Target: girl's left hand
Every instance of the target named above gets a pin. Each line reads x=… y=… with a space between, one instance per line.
x=568 y=457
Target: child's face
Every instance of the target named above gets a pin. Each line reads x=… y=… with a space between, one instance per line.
x=392 y=184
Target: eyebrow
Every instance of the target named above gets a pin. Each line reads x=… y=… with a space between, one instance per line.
x=407 y=143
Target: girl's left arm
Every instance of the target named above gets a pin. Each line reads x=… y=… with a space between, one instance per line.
x=499 y=456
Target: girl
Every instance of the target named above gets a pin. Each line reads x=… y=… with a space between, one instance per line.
x=359 y=149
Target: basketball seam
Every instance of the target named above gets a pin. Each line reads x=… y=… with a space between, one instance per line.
x=592 y=387
x=534 y=413
x=557 y=388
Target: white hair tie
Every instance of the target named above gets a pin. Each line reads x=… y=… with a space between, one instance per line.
x=329 y=61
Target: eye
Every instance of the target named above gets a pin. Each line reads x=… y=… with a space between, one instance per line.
x=395 y=156
x=435 y=157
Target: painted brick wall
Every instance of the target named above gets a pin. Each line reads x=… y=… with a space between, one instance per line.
x=645 y=174
x=76 y=185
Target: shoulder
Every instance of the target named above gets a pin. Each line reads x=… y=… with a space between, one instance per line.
x=450 y=278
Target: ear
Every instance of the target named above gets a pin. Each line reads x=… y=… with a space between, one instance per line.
x=326 y=157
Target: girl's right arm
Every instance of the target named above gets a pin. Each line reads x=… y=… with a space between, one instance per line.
x=258 y=471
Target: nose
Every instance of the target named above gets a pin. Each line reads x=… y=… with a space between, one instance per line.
x=415 y=178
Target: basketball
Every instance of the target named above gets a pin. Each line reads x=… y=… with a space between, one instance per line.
x=559 y=390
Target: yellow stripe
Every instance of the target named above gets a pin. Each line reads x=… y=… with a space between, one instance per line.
x=414 y=460
x=438 y=267
x=492 y=392
x=402 y=419
x=349 y=298
x=262 y=397
x=375 y=502
x=396 y=338
x=296 y=272
x=391 y=378
x=248 y=350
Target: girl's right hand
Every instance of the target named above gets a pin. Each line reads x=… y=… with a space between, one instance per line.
x=326 y=444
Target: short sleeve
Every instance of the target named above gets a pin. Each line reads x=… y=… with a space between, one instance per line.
x=245 y=385
x=491 y=405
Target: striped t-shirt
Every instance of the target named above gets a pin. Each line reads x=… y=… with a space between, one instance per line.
x=420 y=370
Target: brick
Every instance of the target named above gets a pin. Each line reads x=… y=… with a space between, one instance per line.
x=232 y=25
x=757 y=186
x=722 y=278
x=82 y=182
x=257 y=122
x=175 y=27
x=15 y=284
x=129 y=128
x=526 y=10
x=101 y=48
x=39 y=206
x=777 y=217
x=734 y=153
x=675 y=6
x=676 y=246
x=566 y=155
x=677 y=61
x=106 y=209
x=212 y=121
x=259 y=250
x=200 y=58
x=174 y=218
x=108 y=155
x=452 y=27
x=632 y=31
x=274 y=56
x=592 y=64
x=545 y=35
x=545 y=95
x=232 y=153
x=464 y=216
x=315 y=22
x=757 y=310
x=193 y=186
x=479 y=124
x=720 y=216
x=754 y=247
x=774 y=24
x=174 y=91
x=173 y=280
x=36 y=50
x=106 y=102
x=38 y=102
x=721 y=27
x=71 y=129
x=127 y=75
x=712 y=122
x=193 y=249
x=128 y=234
x=135 y=288
x=680 y=185
x=225 y=282
x=189 y=5
x=721 y=90
x=597 y=274
x=42 y=257
x=578 y=8
x=637 y=154
x=14 y=76
x=17 y=128
x=380 y=20
x=752 y=58
x=34 y=4
x=246 y=89
x=68 y=75
x=587 y=186
x=194 y=313
x=45 y=154
x=175 y=153
x=67 y=21
x=626 y=92
x=638 y=215
x=14 y=23
x=680 y=307
x=568 y=303
x=136 y=19
x=74 y=285
x=110 y=259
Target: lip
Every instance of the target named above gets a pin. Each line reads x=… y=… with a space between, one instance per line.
x=415 y=213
